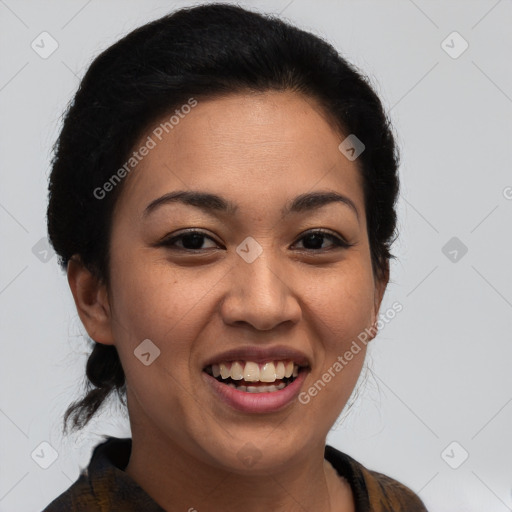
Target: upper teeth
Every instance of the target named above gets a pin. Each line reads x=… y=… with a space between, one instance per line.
x=254 y=372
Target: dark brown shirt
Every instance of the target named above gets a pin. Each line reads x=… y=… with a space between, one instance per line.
x=104 y=486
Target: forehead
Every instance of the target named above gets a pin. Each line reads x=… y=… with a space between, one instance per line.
x=251 y=147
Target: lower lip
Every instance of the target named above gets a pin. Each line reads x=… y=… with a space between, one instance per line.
x=256 y=402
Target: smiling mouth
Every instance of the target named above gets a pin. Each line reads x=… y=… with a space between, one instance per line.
x=251 y=377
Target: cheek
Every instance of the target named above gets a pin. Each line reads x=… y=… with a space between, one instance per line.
x=151 y=303
x=344 y=303
x=155 y=299
x=170 y=307
x=342 y=311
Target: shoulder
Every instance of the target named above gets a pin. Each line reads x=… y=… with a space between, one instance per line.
x=104 y=485
x=77 y=497
x=93 y=487
x=373 y=490
x=389 y=495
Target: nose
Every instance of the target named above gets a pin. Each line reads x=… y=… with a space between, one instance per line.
x=260 y=294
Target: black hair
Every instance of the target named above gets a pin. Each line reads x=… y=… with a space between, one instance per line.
x=199 y=52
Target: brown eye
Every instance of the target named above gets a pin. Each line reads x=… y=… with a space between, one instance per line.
x=190 y=241
x=314 y=240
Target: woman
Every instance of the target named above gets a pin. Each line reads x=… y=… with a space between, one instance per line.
x=222 y=198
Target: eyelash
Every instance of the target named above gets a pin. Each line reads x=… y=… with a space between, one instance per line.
x=337 y=241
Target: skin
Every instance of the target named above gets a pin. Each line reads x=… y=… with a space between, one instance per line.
x=259 y=150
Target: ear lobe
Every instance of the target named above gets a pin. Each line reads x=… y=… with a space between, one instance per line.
x=380 y=288
x=91 y=300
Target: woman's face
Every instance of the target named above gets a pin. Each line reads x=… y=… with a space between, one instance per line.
x=253 y=279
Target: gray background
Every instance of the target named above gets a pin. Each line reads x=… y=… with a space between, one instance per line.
x=440 y=370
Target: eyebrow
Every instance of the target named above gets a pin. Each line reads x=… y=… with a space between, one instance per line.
x=211 y=203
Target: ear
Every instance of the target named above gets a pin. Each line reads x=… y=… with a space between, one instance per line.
x=91 y=300
x=381 y=284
